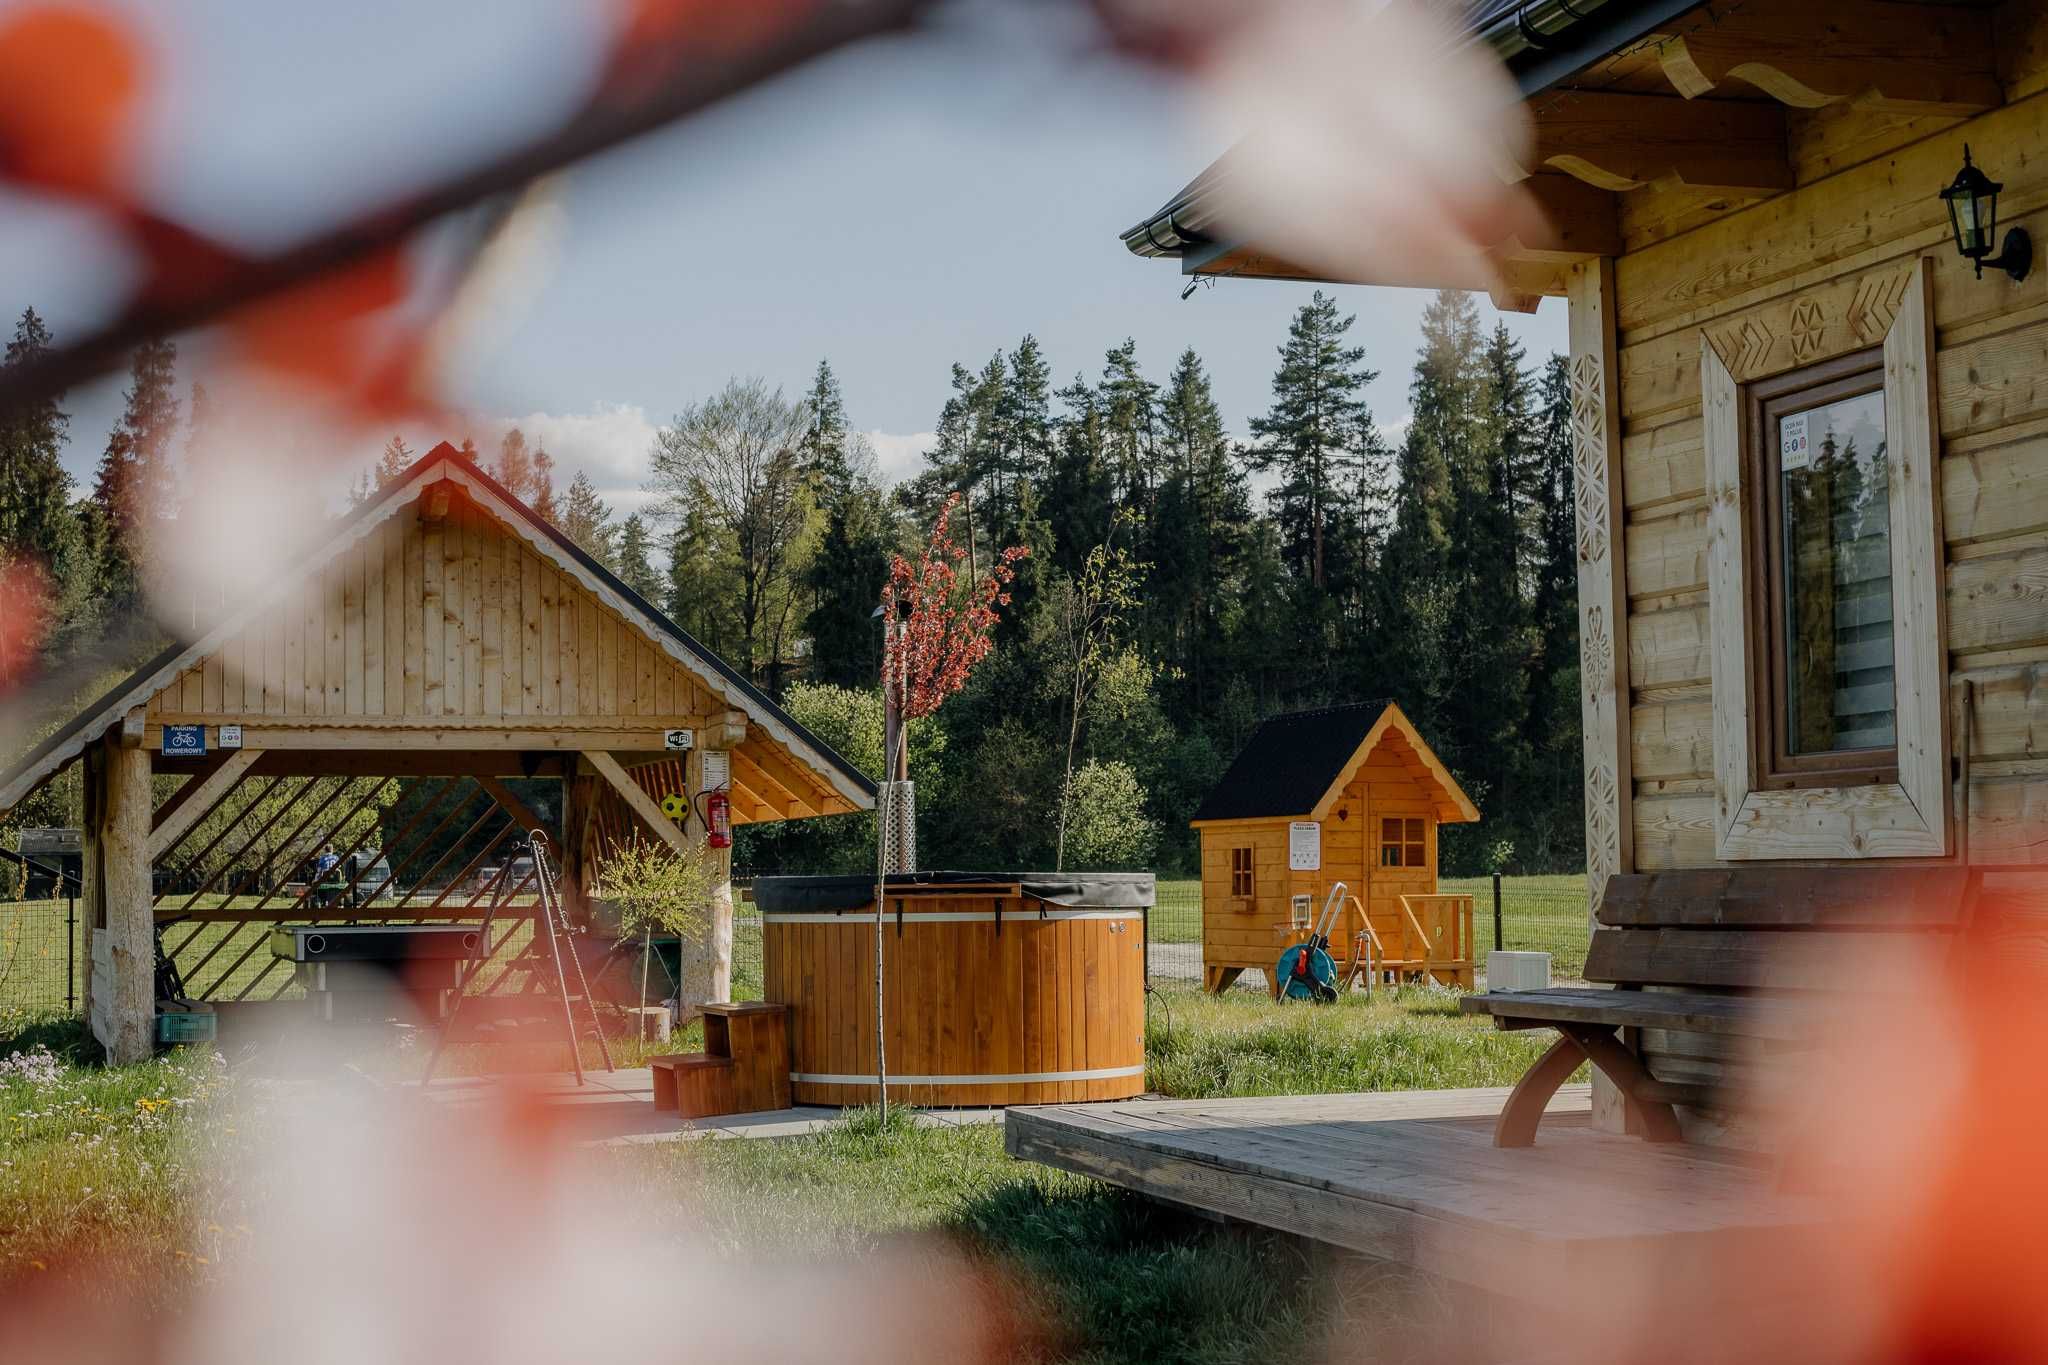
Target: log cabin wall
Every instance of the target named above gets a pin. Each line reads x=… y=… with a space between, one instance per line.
x=1864 y=209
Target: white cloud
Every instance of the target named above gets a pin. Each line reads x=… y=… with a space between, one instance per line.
x=610 y=443
x=900 y=455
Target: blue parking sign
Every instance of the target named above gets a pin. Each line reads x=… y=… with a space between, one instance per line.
x=184 y=741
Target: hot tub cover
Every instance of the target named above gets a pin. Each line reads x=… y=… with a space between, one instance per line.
x=1078 y=890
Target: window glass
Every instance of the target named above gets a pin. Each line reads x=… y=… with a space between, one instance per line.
x=1240 y=872
x=1836 y=589
x=1390 y=843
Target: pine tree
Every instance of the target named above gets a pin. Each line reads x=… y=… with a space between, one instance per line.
x=1078 y=495
x=1487 y=641
x=1130 y=406
x=514 y=465
x=823 y=449
x=635 y=565
x=541 y=490
x=1027 y=415
x=394 y=461
x=701 y=570
x=363 y=489
x=1318 y=435
x=844 y=580
x=1198 y=530
x=132 y=491
x=1555 y=717
x=588 y=522
x=44 y=576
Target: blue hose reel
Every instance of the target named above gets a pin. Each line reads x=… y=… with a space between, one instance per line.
x=1306 y=971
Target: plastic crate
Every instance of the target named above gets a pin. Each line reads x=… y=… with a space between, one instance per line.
x=185 y=1026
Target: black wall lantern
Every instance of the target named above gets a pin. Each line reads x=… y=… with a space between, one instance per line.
x=1972 y=199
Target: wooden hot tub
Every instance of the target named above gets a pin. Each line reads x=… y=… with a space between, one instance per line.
x=1001 y=988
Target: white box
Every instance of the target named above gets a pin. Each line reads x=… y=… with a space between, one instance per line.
x=1517 y=971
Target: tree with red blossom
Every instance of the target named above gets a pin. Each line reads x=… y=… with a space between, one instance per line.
x=944 y=625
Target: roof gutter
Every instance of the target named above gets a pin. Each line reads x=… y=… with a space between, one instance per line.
x=1541 y=42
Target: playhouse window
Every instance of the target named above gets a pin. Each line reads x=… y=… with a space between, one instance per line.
x=1401 y=843
x=1821 y=552
x=1240 y=872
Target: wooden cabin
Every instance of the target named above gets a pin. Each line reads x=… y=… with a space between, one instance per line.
x=441 y=633
x=1809 y=401
x=1345 y=794
x=1811 y=436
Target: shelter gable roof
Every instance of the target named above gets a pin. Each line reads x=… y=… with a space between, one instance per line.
x=444 y=462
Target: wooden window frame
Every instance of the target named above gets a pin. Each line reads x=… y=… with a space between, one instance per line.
x=1828 y=381
x=1909 y=816
x=1242 y=867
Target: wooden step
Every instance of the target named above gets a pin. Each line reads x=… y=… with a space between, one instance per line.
x=694 y=1085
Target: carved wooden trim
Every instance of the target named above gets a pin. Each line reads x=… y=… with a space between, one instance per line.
x=1603 y=604
x=1908 y=818
x=1844 y=315
x=1895 y=58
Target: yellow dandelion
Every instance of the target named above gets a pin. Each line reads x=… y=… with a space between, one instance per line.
x=183 y=1255
x=37 y=1265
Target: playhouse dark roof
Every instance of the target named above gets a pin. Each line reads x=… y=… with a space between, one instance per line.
x=1290 y=761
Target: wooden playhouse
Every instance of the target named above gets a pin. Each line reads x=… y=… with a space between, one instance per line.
x=1348 y=794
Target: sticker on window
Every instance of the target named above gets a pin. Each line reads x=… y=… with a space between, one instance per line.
x=1794 y=451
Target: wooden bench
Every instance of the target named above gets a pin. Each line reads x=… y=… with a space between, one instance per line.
x=1746 y=953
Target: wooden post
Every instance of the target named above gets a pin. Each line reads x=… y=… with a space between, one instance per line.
x=707 y=961
x=121 y=994
x=1603 y=600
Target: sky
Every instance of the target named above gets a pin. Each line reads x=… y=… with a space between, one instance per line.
x=895 y=208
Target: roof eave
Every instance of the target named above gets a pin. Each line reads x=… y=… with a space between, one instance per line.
x=1586 y=30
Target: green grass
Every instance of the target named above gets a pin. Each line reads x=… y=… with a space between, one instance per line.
x=1538 y=914
x=1099 y=1274
x=1240 y=1043
x=99 y=1165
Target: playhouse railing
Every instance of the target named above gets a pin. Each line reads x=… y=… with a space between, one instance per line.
x=1436 y=939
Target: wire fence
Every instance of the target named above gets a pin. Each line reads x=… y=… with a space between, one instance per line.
x=1537 y=914
x=42 y=956
x=44 y=944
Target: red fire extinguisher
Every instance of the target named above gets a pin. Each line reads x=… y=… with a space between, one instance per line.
x=718 y=819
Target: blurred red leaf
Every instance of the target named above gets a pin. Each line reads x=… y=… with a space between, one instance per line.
x=24 y=617
x=327 y=334
x=69 y=80
x=183 y=267
x=654 y=34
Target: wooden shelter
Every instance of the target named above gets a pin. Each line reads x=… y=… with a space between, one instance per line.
x=440 y=632
x=1810 y=456
x=1346 y=794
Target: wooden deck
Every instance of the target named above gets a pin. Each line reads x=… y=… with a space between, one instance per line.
x=1413 y=1177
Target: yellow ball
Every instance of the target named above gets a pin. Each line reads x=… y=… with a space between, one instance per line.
x=676 y=807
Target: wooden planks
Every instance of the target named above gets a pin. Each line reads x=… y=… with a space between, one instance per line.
x=1740 y=959
x=1413 y=1178
x=974 y=1016
x=446 y=618
x=1785 y=898
x=1740 y=1016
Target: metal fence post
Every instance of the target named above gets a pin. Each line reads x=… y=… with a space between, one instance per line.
x=1496 y=912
